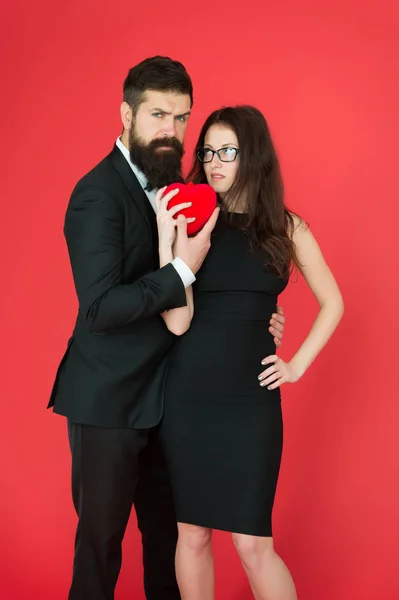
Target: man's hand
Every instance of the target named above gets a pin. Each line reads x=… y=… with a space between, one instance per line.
x=277 y=326
x=193 y=250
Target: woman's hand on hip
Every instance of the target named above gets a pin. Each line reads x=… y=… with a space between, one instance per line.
x=277 y=373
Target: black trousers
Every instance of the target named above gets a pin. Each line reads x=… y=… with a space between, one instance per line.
x=112 y=469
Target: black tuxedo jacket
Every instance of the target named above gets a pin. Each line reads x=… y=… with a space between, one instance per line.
x=114 y=368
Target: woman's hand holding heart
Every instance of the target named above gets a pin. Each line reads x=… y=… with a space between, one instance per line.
x=171 y=214
x=165 y=218
x=203 y=203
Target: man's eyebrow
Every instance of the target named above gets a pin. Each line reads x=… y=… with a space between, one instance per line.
x=165 y=112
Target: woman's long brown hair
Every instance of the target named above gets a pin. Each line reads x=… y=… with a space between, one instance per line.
x=270 y=224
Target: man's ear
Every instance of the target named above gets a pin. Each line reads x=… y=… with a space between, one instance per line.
x=126 y=116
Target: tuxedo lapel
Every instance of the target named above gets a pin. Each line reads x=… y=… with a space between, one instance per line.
x=136 y=192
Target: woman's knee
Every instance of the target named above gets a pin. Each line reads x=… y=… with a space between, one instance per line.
x=251 y=548
x=194 y=537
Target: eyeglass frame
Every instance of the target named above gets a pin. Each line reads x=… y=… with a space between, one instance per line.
x=237 y=150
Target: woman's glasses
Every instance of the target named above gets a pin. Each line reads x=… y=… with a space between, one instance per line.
x=224 y=154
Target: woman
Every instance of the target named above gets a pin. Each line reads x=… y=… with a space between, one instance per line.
x=222 y=429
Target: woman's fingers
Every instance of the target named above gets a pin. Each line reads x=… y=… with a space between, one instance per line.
x=173 y=211
x=158 y=197
x=272 y=358
x=268 y=372
x=276 y=384
x=268 y=380
x=273 y=376
x=165 y=199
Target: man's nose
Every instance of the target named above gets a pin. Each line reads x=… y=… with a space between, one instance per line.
x=168 y=128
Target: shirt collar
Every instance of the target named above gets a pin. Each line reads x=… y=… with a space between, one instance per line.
x=139 y=174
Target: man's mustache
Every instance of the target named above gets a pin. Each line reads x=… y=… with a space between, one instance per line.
x=168 y=142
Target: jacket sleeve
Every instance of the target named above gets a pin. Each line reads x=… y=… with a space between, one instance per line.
x=93 y=230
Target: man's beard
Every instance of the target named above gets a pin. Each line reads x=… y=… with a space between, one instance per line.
x=161 y=167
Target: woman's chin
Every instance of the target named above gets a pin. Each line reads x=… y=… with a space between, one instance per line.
x=219 y=188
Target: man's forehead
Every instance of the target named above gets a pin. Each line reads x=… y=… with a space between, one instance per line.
x=169 y=101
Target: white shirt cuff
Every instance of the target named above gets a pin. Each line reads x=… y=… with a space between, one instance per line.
x=186 y=274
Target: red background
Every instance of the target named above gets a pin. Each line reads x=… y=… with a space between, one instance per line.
x=325 y=75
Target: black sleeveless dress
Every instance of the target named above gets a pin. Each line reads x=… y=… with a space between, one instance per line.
x=221 y=431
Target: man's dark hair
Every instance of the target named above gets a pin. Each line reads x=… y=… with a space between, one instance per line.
x=158 y=73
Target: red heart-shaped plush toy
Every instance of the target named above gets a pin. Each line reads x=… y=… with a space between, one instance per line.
x=203 y=199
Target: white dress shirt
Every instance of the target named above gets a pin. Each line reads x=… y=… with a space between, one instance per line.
x=185 y=273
